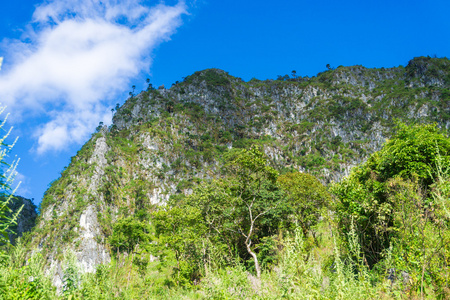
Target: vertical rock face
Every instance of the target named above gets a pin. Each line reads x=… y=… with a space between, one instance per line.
x=99 y=161
x=79 y=208
x=164 y=142
x=91 y=253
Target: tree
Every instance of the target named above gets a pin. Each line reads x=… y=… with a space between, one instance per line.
x=244 y=206
x=294 y=74
x=366 y=197
x=128 y=233
x=99 y=127
x=412 y=150
x=150 y=86
x=254 y=195
x=306 y=197
x=181 y=230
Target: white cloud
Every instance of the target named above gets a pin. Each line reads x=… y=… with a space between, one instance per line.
x=81 y=54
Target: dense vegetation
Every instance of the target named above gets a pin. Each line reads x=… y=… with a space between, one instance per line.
x=164 y=142
x=255 y=233
x=196 y=192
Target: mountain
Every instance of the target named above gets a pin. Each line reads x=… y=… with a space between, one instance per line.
x=165 y=141
x=26 y=218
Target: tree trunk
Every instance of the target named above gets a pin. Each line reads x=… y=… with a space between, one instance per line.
x=255 y=258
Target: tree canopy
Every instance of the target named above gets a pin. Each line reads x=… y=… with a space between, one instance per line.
x=369 y=198
x=306 y=196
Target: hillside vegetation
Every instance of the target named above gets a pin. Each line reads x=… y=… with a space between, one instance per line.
x=220 y=188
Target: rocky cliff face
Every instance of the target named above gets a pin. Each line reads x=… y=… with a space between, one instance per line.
x=163 y=142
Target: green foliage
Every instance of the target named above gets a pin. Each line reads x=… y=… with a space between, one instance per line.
x=411 y=153
x=128 y=233
x=71 y=279
x=428 y=67
x=233 y=213
x=79 y=165
x=212 y=77
x=412 y=150
x=180 y=232
x=307 y=198
x=7 y=174
x=397 y=205
x=7 y=219
x=297 y=275
x=24 y=281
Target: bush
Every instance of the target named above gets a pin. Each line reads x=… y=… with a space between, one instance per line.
x=128 y=233
x=393 y=201
x=307 y=197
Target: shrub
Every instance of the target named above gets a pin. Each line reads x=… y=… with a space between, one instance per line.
x=128 y=233
x=394 y=180
x=306 y=196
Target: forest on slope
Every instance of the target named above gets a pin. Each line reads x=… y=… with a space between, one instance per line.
x=214 y=188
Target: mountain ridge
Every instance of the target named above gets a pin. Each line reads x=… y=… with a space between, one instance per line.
x=165 y=141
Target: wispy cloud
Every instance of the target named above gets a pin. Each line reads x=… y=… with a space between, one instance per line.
x=75 y=57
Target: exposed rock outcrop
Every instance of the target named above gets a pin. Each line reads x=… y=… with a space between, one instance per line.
x=163 y=142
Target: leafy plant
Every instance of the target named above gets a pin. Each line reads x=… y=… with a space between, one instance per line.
x=71 y=278
x=307 y=198
x=128 y=233
x=411 y=153
x=7 y=218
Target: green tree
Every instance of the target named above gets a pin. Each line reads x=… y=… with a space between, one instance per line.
x=180 y=230
x=244 y=206
x=128 y=233
x=366 y=198
x=223 y=217
x=306 y=196
x=412 y=150
x=294 y=74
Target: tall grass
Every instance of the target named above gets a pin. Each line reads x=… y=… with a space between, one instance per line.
x=24 y=279
x=300 y=274
x=305 y=269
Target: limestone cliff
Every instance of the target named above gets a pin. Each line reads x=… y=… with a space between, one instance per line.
x=163 y=142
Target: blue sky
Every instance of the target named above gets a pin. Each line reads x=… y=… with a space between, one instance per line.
x=67 y=63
